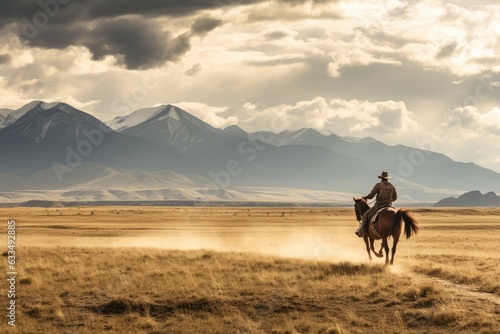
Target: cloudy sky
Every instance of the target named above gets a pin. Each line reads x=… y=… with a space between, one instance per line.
x=420 y=73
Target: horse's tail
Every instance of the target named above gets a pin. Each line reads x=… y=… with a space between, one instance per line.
x=411 y=225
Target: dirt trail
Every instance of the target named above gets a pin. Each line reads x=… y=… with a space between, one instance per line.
x=460 y=291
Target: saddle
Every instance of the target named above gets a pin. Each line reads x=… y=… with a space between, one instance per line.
x=374 y=217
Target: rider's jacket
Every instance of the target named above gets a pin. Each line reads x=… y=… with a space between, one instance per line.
x=385 y=191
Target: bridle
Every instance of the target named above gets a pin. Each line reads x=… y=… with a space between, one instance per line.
x=358 y=202
x=356 y=210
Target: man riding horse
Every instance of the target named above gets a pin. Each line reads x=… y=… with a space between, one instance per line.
x=386 y=194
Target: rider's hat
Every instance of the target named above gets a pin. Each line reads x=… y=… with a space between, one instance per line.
x=384 y=175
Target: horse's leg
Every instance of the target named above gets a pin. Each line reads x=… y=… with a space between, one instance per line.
x=394 y=245
x=386 y=248
x=365 y=238
x=372 y=246
x=381 y=248
x=396 y=233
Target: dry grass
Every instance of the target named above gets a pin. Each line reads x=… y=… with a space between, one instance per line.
x=143 y=291
x=461 y=246
x=91 y=282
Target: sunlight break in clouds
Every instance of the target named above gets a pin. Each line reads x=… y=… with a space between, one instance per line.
x=437 y=35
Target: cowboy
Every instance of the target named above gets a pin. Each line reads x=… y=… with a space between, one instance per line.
x=386 y=194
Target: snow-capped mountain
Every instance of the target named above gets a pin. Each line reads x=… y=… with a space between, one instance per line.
x=167 y=125
x=13 y=115
x=49 y=133
x=45 y=121
x=121 y=123
x=166 y=138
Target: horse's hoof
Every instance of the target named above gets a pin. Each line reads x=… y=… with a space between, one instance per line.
x=379 y=255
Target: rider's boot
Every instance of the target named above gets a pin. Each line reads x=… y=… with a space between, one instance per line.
x=361 y=230
x=358 y=232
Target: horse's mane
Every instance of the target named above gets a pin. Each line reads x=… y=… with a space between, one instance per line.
x=364 y=204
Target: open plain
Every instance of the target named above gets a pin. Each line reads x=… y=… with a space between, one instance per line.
x=248 y=270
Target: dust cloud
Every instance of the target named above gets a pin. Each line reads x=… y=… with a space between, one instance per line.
x=306 y=245
x=313 y=244
x=321 y=234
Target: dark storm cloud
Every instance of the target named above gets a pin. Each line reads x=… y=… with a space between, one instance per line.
x=58 y=36
x=129 y=30
x=141 y=44
x=99 y=8
x=71 y=10
x=137 y=44
x=126 y=29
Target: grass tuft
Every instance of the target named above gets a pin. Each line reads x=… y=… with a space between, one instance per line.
x=26 y=281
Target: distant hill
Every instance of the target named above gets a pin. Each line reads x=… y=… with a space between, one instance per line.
x=470 y=199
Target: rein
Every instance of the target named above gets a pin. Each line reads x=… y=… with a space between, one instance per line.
x=358 y=210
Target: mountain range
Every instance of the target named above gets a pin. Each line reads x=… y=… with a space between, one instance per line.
x=471 y=199
x=53 y=151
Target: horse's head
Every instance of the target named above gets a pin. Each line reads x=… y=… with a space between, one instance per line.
x=360 y=207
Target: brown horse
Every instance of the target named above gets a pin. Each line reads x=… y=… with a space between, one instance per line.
x=388 y=224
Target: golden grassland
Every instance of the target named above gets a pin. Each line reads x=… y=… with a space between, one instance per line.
x=257 y=270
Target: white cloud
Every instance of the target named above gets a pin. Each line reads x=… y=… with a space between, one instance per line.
x=20 y=56
x=362 y=118
x=469 y=122
x=84 y=64
x=249 y=106
x=435 y=34
x=9 y=97
x=346 y=54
